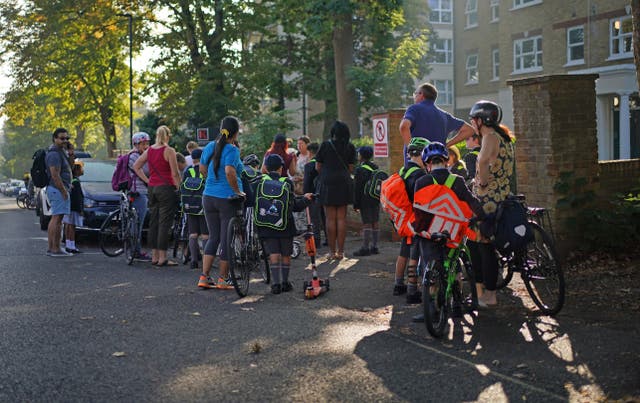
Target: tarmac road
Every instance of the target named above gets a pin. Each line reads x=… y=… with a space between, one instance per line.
x=91 y=328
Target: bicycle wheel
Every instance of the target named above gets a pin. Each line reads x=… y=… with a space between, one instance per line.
x=31 y=204
x=131 y=237
x=265 y=270
x=465 y=292
x=542 y=273
x=434 y=288
x=21 y=202
x=505 y=272
x=111 y=241
x=239 y=270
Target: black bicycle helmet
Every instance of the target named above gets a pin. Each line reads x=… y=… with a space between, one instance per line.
x=434 y=149
x=251 y=160
x=489 y=112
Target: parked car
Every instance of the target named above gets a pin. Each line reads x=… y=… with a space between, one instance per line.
x=99 y=198
x=13 y=187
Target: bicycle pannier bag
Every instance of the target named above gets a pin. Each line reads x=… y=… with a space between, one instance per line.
x=512 y=232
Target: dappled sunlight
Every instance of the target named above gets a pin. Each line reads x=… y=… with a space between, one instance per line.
x=249 y=299
x=344 y=264
x=559 y=345
x=494 y=393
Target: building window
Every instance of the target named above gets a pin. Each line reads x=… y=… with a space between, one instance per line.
x=445 y=91
x=472 y=69
x=525 y=3
x=527 y=55
x=443 y=51
x=441 y=11
x=495 y=10
x=471 y=12
x=621 y=37
x=495 y=64
x=575 y=45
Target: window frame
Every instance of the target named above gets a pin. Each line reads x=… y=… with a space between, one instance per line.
x=495 y=67
x=440 y=10
x=494 y=11
x=469 y=12
x=447 y=92
x=535 y=53
x=447 y=50
x=524 y=3
x=570 y=46
x=620 y=37
x=470 y=80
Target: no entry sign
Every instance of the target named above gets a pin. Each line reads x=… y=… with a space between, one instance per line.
x=380 y=137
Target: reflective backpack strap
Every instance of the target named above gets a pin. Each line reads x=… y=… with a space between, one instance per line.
x=408 y=173
x=367 y=167
x=450 y=180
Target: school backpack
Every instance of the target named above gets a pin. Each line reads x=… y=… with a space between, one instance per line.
x=512 y=231
x=191 y=189
x=448 y=213
x=373 y=185
x=39 y=175
x=272 y=203
x=395 y=202
x=122 y=176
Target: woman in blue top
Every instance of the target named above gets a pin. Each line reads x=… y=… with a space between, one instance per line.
x=220 y=164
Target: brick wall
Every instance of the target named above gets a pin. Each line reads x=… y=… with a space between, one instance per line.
x=618 y=177
x=555 y=126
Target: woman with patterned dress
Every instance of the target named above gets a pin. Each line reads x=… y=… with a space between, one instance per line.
x=492 y=184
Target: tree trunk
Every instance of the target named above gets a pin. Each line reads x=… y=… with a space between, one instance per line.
x=635 y=7
x=80 y=136
x=343 y=60
x=109 y=127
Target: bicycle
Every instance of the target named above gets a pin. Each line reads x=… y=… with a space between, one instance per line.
x=538 y=265
x=244 y=248
x=447 y=282
x=180 y=236
x=119 y=231
x=25 y=201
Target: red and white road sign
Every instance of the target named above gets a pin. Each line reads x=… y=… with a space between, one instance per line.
x=380 y=137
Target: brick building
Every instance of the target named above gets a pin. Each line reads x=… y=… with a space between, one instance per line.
x=500 y=40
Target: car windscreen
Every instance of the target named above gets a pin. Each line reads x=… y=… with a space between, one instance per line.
x=98 y=171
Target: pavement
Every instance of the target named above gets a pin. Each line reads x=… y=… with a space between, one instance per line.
x=91 y=328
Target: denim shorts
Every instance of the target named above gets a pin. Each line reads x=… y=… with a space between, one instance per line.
x=59 y=206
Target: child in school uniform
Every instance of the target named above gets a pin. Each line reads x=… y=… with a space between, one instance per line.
x=274 y=220
x=74 y=219
x=367 y=206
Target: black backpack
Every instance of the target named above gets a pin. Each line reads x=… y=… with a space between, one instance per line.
x=39 y=169
x=191 y=189
x=512 y=229
x=272 y=203
x=373 y=185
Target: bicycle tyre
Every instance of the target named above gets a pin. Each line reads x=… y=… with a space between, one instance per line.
x=465 y=290
x=264 y=268
x=239 y=270
x=31 y=204
x=21 y=202
x=111 y=242
x=505 y=271
x=434 y=302
x=542 y=273
x=131 y=237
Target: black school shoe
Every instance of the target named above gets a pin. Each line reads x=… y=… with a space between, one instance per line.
x=276 y=289
x=399 y=289
x=287 y=286
x=374 y=251
x=415 y=298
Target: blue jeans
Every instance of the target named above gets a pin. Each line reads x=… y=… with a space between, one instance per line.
x=140 y=204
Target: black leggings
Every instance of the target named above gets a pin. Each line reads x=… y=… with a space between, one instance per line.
x=218 y=212
x=485 y=264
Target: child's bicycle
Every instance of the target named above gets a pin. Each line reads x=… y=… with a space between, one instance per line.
x=180 y=236
x=244 y=249
x=538 y=265
x=448 y=285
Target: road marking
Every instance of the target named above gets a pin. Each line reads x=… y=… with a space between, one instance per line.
x=486 y=370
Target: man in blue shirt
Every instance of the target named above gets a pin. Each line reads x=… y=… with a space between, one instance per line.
x=59 y=173
x=425 y=119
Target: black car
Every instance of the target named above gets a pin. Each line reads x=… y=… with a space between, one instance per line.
x=99 y=198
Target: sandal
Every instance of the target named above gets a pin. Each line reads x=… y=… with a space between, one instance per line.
x=339 y=256
x=167 y=263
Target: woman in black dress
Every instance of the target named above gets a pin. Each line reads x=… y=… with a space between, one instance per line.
x=334 y=162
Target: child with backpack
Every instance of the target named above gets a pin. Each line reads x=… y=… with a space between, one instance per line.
x=74 y=218
x=273 y=216
x=405 y=180
x=191 y=190
x=366 y=203
x=451 y=194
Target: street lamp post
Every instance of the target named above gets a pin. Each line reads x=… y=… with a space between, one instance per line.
x=130 y=17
